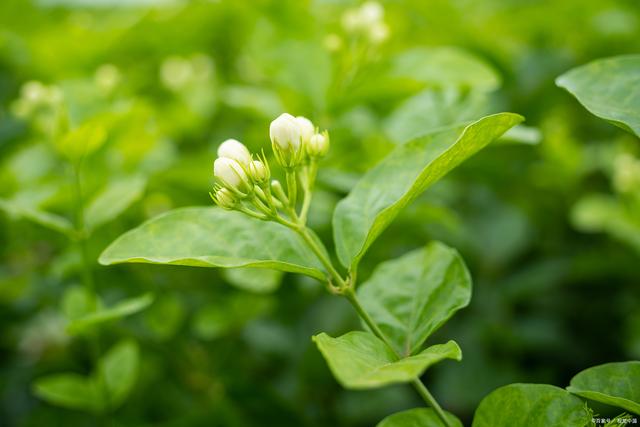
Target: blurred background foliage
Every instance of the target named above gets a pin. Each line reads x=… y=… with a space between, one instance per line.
x=547 y=219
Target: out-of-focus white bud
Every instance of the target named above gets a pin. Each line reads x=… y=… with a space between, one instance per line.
x=230 y=173
x=259 y=172
x=225 y=199
x=107 y=77
x=33 y=91
x=306 y=129
x=286 y=139
x=318 y=145
x=236 y=150
x=176 y=73
x=371 y=12
x=378 y=32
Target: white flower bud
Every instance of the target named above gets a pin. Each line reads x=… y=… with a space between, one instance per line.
x=225 y=199
x=286 y=139
x=258 y=171
x=230 y=173
x=236 y=150
x=285 y=132
x=306 y=128
x=378 y=32
x=318 y=145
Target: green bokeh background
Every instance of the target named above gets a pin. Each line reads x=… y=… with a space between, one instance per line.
x=556 y=287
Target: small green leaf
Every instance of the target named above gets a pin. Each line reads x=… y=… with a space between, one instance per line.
x=114 y=199
x=78 y=302
x=212 y=237
x=412 y=296
x=261 y=281
x=360 y=360
x=71 y=391
x=83 y=140
x=418 y=417
x=531 y=405
x=405 y=173
x=608 y=88
x=43 y=218
x=102 y=315
x=616 y=384
x=118 y=370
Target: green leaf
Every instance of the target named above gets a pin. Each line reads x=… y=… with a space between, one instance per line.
x=360 y=360
x=616 y=384
x=102 y=315
x=114 y=199
x=418 y=417
x=531 y=405
x=259 y=281
x=608 y=88
x=212 y=237
x=83 y=140
x=445 y=67
x=604 y=213
x=43 y=218
x=119 y=371
x=412 y=296
x=71 y=391
x=433 y=109
x=405 y=173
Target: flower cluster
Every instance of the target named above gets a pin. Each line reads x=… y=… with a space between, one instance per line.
x=243 y=181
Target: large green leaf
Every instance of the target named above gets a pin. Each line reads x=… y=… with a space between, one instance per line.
x=360 y=360
x=412 y=296
x=616 y=384
x=114 y=199
x=71 y=391
x=531 y=405
x=212 y=237
x=418 y=417
x=405 y=173
x=608 y=88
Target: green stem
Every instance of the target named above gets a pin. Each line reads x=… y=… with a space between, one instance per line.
x=308 y=190
x=292 y=188
x=321 y=254
x=422 y=390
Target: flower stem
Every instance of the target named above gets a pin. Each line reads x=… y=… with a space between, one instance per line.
x=292 y=188
x=347 y=290
x=310 y=180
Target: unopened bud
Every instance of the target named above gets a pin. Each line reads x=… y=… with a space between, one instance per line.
x=230 y=173
x=286 y=139
x=225 y=199
x=233 y=149
x=318 y=145
x=306 y=129
x=258 y=172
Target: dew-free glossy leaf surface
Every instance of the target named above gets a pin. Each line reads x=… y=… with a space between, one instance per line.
x=418 y=417
x=616 y=384
x=412 y=296
x=608 y=88
x=405 y=173
x=360 y=360
x=212 y=237
x=531 y=405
